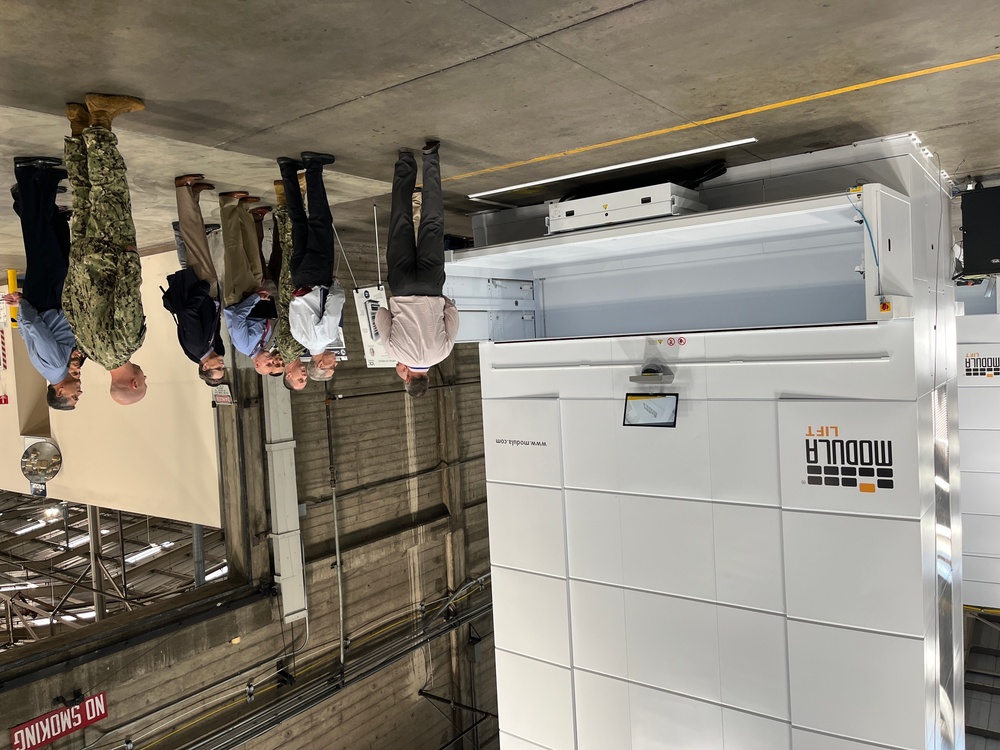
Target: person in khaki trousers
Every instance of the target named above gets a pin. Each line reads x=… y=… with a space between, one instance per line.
x=249 y=308
x=244 y=274
x=192 y=293
x=192 y=229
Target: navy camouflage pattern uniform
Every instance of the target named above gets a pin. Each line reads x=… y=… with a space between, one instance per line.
x=287 y=346
x=101 y=296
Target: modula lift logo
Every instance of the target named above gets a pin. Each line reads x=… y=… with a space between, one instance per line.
x=833 y=460
x=981 y=367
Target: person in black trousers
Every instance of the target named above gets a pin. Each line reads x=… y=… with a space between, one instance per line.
x=312 y=238
x=45 y=229
x=312 y=234
x=41 y=321
x=419 y=326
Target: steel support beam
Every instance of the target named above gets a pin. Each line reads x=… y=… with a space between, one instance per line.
x=121 y=551
x=198 y=553
x=70 y=592
x=25 y=565
x=462 y=734
x=96 y=547
x=111 y=580
x=10 y=623
x=37 y=609
x=454 y=704
x=24 y=622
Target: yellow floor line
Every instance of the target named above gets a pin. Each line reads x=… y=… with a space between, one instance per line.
x=732 y=115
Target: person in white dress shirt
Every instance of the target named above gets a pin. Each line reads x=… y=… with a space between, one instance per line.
x=316 y=317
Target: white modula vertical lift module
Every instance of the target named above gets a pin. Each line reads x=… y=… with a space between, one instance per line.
x=780 y=568
x=979 y=427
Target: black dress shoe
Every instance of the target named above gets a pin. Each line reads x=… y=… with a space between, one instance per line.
x=317 y=157
x=41 y=162
x=287 y=162
x=431 y=147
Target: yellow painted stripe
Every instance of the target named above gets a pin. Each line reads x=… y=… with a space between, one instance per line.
x=733 y=115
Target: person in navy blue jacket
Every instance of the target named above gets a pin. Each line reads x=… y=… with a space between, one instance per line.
x=191 y=293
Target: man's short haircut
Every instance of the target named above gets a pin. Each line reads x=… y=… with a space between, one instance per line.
x=315 y=373
x=209 y=380
x=125 y=395
x=417 y=385
x=55 y=401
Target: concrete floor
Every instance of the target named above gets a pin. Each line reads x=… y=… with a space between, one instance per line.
x=230 y=85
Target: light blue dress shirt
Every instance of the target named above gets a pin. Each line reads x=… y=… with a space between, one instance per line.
x=246 y=333
x=48 y=338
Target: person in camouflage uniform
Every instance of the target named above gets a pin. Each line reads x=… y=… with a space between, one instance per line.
x=289 y=349
x=101 y=296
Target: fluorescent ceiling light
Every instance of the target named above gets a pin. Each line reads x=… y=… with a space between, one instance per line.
x=142 y=555
x=615 y=167
x=17 y=587
x=224 y=570
x=33 y=527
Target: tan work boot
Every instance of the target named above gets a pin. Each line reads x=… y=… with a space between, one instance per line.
x=187 y=180
x=302 y=184
x=106 y=107
x=279 y=189
x=78 y=116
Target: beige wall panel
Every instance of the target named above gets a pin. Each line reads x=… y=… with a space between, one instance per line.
x=157 y=457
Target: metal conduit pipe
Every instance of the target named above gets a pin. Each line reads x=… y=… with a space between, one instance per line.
x=336 y=531
x=202 y=691
x=340 y=583
x=321 y=689
x=480 y=581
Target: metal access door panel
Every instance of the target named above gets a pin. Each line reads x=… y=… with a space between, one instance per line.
x=493 y=309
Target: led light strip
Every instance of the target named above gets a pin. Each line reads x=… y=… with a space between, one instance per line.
x=615 y=167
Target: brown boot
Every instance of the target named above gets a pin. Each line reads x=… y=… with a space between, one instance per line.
x=106 y=107
x=249 y=199
x=199 y=187
x=78 y=116
x=234 y=194
x=187 y=179
x=259 y=212
x=279 y=188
